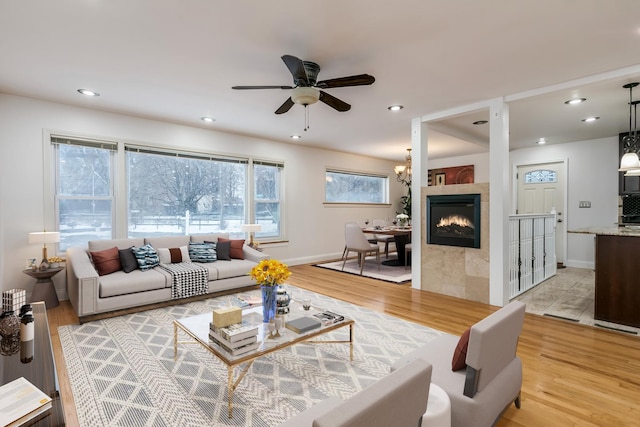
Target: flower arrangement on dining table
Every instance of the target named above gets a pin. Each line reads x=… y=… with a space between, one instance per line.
x=269 y=274
x=403 y=219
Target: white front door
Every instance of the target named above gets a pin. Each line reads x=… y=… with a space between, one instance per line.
x=541 y=190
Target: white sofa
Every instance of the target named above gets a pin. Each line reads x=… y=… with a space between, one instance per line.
x=91 y=294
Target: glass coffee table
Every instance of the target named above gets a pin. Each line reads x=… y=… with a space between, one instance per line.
x=197 y=328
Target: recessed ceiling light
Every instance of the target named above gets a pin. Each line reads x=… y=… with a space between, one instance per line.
x=575 y=101
x=590 y=119
x=395 y=107
x=207 y=119
x=480 y=122
x=541 y=141
x=296 y=137
x=87 y=92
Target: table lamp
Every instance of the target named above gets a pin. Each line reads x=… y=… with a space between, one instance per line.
x=44 y=237
x=251 y=229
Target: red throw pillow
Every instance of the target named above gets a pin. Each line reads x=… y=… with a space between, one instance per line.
x=236 y=251
x=460 y=353
x=107 y=261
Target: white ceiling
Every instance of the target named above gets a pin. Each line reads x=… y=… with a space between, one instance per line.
x=176 y=61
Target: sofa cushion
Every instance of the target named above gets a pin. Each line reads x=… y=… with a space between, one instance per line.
x=128 y=260
x=167 y=241
x=235 y=268
x=223 y=250
x=100 y=245
x=146 y=256
x=236 y=251
x=173 y=255
x=460 y=353
x=209 y=237
x=120 y=283
x=106 y=261
x=202 y=252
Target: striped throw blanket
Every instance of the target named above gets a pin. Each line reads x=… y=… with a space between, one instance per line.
x=187 y=279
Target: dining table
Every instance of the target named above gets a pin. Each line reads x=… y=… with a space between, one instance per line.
x=401 y=236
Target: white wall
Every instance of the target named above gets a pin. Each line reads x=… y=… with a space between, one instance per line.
x=592 y=176
x=314 y=231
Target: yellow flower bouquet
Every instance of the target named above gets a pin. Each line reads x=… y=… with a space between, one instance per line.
x=270 y=272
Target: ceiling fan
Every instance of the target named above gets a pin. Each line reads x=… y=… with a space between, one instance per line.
x=306 y=89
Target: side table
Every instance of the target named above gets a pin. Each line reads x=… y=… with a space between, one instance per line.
x=44 y=290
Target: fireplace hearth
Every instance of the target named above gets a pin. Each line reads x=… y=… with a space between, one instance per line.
x=454 y=220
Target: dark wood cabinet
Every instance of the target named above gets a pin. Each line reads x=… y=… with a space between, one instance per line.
x=626 y=184
x=617 y=285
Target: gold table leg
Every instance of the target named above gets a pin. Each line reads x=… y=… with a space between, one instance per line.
x=232 y=385
x=351 y=336
x=175 y=342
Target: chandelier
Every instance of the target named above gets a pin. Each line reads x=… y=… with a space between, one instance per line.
x=403 y=172
x=630 y=163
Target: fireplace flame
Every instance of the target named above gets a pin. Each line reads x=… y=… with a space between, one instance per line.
x=458 y=220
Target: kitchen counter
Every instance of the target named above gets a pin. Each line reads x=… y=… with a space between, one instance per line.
x=609 y=231
x=617 y=294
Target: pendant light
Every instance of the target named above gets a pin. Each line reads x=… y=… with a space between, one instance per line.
x=630 y=160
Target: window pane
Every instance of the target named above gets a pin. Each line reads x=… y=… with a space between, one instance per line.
x=82 y=220
x=344 y=187
x=540 y=176
x=84 y=195
x=267 y=199
x=176 y=195
x=84 y=171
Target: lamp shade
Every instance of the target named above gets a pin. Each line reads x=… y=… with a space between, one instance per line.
x=44 y=237
x=251 y=228
x=628 y=162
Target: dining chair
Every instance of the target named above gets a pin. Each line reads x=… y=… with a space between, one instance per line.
x=407 y=250
x=356 y=241
x=382 y=238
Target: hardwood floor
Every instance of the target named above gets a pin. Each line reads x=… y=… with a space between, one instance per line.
x=574 y=375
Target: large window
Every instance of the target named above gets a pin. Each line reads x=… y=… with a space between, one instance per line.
x=350 y=187
x=183 y=193
x=84 y=190
x=267 y=200
x=105 y=190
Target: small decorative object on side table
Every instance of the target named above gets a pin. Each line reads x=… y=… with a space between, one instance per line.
x=44 y=290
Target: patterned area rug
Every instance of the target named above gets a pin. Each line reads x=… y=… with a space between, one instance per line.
x=393 y=274
x=122 y=370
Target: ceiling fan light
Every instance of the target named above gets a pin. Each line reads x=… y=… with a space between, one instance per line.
x=629 y=161
x=305 y=95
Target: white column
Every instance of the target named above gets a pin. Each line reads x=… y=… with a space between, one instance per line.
x=499 y=202
x=419 y=167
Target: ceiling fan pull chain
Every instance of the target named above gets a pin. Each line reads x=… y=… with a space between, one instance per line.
x=306 y=118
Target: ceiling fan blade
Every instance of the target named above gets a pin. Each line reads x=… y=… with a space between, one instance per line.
x=334 y=102
x=296 y=68
x=358 y=80
x=261 y=87
x=286 y=106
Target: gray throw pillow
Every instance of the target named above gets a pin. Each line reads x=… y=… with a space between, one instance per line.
x=128 y=260
x=223 y=250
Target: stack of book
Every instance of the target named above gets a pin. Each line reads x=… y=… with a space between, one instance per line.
x=21 y=402
x=237 y=338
